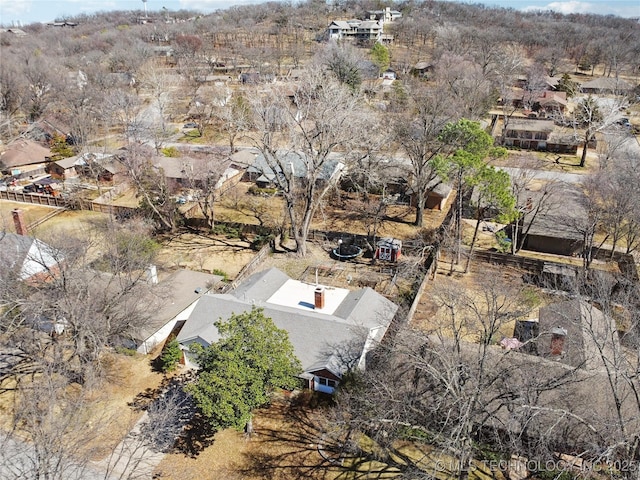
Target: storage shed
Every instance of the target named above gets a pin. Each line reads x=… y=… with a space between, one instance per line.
x=388 y=249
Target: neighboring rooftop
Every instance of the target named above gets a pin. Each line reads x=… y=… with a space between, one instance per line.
x=586 y=334
x=23 y=152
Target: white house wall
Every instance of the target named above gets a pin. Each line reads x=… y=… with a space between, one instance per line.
x=163 y=333
x=38 y=260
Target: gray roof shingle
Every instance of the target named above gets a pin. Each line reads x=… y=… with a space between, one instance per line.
x=316 y=337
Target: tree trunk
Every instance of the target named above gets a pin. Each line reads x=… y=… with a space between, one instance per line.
x=248 y=428
x=515 y=227
x=420 y=200
x=583 y=158
x=459 y=222
x=473 y=240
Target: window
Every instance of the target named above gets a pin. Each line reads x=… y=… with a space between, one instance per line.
x=327 y=382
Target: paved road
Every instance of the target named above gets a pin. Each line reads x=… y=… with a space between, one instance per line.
x=572 y=178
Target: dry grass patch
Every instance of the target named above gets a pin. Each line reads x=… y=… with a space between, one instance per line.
x=339 y=213
x=70 y=223
x=129 y=381
x=30 y=211
x=432 y=315
x=108 y=410
x=283 y=447
x=205 y=253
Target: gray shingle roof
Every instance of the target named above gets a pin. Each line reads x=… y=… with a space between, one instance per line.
x=316 y=336
x=300 y=165
x=607 y=83
x=179 y=290
x=23 y=152
x=25 y=255
x=589 y=333
x=14 y=249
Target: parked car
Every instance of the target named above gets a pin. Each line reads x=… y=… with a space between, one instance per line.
x=190 y=125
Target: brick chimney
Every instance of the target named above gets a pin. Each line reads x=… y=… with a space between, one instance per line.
x=318 y=298
x=18 y=221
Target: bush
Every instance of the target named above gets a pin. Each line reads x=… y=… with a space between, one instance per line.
x=504 y=243
x=260 y=241
x=172 y=152
x=130 y=352
x=228 y=231
x=263 y=192
x=223 y=274
x=170 y=356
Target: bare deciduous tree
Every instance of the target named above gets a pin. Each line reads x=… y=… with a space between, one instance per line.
x=324 y=119
x=417 y=134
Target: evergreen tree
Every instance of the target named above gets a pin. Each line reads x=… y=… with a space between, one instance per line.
x=380 y=56
x=170 y=356
x=238 y=372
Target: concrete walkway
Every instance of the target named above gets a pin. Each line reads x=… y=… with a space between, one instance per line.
x=134 y=457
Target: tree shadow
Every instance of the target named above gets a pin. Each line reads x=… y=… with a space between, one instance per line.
x=301 y=444
x=149 y=395
x=197 y=435
x=288 y=447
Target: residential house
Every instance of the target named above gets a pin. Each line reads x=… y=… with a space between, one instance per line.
x=389 y=74
x=385 y=16
x=331 y=329
x=24 y=157
x=575 y=333
x=26 y=257
x=180 y=291
x=539 y=134
x=264 y=175
x=251 y=78
x=104 y=168
x=606 y=85
x=543 y=103
x=243 y=159
x=541 y=401
x=358 y=30
x=162 y=51
x=422 y=69
x=550 y=102
x=65 y=169
x=48 y=127
x=188 y=172
x=555 y=229
x=18 y=32
x=63 y=24
x=437 y=196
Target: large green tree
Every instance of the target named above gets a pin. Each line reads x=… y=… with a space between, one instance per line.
x=237 y=373
x=380 y=56
x=467 y=150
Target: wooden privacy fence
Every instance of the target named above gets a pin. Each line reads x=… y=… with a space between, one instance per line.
x=34 y=198
x=51 y=201
x=249 y=268
x=117 y=210
x=529 y=264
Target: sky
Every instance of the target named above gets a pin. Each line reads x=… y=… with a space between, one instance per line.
x=29 y=11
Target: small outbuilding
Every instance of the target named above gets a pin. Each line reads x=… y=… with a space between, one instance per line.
x=388 y=249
